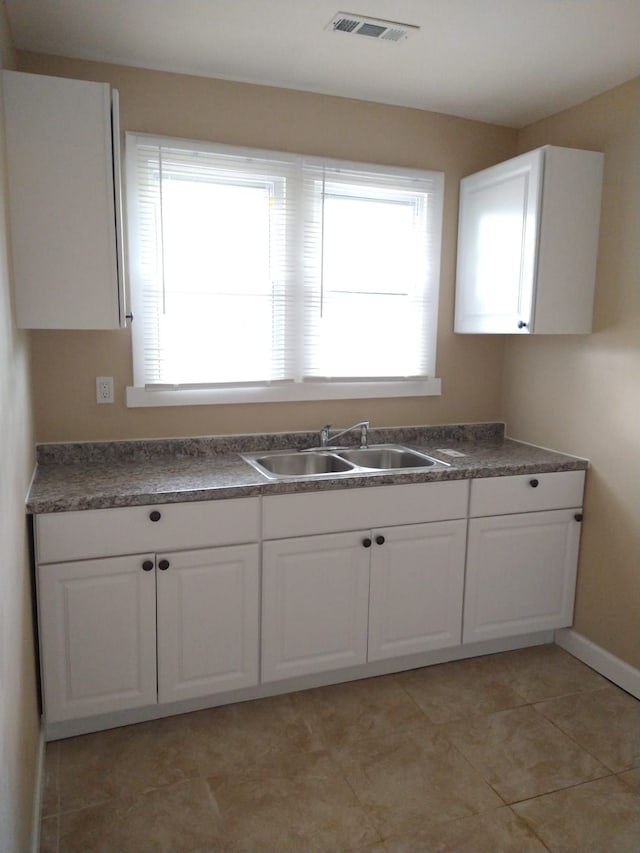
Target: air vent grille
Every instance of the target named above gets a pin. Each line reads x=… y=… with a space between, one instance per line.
x=374 y=28
x=345 y=25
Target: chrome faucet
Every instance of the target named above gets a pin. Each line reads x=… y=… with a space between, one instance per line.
x=326 y=439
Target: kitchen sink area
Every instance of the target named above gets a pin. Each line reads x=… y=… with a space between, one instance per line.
x=331 y=462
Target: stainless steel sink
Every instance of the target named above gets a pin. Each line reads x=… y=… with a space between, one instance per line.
x=387 y=457
x=311 y=464
x=298 y=464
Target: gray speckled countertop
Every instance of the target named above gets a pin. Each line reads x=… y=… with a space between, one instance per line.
x=100 y=475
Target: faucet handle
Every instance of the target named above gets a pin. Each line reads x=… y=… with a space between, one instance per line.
x=324 y=435
x=364 y=433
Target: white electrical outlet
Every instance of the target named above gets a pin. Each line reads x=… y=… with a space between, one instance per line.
x=104 y=389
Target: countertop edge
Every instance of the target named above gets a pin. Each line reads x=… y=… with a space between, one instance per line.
x=113 y=499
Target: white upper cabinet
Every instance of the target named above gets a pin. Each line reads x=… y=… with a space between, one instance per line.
x=527 y=244
x=62 y=148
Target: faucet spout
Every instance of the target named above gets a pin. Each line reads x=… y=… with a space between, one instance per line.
x=326 y=439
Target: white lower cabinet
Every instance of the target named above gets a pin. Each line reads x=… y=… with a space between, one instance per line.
x=522 y=554
x=417 y=583
x=124 y=632
x=166 y=604
x=521 y=574
x=335 y=600
x=100 y=621
x=97 y=624
x=207 y=604
x=343 y=599
x=315 y=602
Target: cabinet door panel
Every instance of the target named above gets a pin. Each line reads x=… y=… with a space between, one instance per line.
x=97 y=636
x=417 y=579
x=61 y=202
x=521 y=572
x=497 y=242
x=315 y=604
x=208 y=617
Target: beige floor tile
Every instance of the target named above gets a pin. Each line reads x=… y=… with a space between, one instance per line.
x=453 y=691
x=495 y=831
x=131 y=760
x=407 y=778
x=247 y=733
x=180 y=818
x=521 y=754
x=50 y=788
x=123 y=762
x=343 y=713
x=597 y=817
x=543 y=672
x=304 y=805
x=49 y=835
x=631 y=778
x=605 y=722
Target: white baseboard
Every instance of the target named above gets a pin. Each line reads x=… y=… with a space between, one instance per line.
x=37 y=795
x=612 y=667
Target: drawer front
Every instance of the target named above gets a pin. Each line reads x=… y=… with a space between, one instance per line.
x=356 y=509
x=106 y=532
x=526 y=493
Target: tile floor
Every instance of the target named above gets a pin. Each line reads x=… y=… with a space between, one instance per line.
x=522 y=751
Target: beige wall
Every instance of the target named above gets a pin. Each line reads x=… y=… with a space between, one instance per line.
x=582 y=394
x=65 y=364
x=19 y=721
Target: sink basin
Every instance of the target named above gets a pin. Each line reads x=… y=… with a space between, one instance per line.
x=387 y=457
x=297 y=464
x=310 y=464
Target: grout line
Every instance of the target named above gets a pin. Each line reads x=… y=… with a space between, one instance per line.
x=529 y=825
x=580 y=746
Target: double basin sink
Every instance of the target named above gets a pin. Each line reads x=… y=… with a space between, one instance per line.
x=321 y=462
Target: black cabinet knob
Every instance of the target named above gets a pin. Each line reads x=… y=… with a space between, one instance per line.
x=163 y=565
x=522 y=324
x=366 y=543
x=578 y=516
x=154 y=515
x=380 y=540
x=147 y=565
x=534 y=483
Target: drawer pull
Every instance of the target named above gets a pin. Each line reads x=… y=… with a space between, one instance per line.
x=534 y=483
x=163 y=565
x=578 y=516
x=380 y=540
x=147 y=565
x=154 y=515
x=366 y=543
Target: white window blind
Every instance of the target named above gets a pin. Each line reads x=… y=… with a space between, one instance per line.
x=252 y=269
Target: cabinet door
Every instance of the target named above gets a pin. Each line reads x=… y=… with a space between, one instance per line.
x=315 y=593
x=64 y=236
x=208 y=617
x=417 y=580
x=497 y=245
x=521 y=573
x=97 y=621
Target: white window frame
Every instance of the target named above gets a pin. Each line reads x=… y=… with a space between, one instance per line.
x=139 y=395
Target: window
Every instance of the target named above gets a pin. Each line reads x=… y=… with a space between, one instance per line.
x=263 y=276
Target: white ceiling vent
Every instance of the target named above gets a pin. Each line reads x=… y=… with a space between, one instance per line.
x=359 y=25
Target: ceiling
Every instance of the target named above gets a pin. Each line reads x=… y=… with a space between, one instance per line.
x=507 y=62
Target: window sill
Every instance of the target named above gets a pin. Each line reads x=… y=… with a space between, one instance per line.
x=294 y=392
